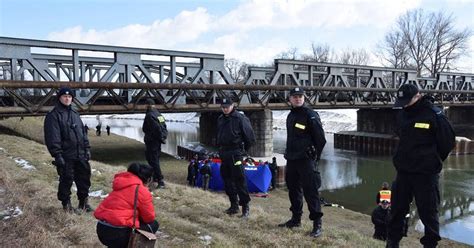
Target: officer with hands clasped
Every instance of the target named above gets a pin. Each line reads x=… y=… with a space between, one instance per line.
x=234 y=137
x=304 y=144
x=66 y=140
x=426 y=139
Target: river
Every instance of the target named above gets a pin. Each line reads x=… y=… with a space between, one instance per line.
x=349 y=179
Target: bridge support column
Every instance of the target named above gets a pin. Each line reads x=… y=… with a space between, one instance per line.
x=462 y=120
x=262 y=123
x=374 y=135
x=376 y=121
x=208 y=128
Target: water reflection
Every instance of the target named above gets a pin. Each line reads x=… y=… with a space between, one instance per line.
x=349 y=179
x=179 y=133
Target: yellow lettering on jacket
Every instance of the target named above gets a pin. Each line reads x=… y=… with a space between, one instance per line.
x=422 y=125
x=161 y=119
x=300 y=126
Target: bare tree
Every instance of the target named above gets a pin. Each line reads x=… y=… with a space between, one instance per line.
x=320 y=53
x=394 y=50
x=238 y=70
x=431 y=40
x=353 y=57
x=448 y=44
x=291 y=53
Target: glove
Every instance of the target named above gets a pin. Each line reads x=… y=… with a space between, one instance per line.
x=88 y=154
x=60 y=163
x=311 y=152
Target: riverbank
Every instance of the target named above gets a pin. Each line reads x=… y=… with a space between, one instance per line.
x=187 y=215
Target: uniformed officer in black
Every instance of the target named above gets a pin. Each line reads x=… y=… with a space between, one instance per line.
x=426 y=139
x=234 y=137
x=154 y=127
x=304 y=144
x=66 y=140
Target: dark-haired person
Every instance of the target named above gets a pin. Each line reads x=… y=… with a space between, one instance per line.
x=115 y=213
x=154 y=128
x=66 y=140
x=426 y=139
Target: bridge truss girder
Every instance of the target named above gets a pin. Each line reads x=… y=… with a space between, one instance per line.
x=110 y=79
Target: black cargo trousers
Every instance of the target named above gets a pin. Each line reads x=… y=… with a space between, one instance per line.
x=233 y=175
x=78 y=171
x=425 y=189
x=303 y=178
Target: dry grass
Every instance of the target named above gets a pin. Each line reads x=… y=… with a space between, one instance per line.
x=185 y=213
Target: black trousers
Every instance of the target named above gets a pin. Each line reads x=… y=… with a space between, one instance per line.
x=302 y=178
x=78 y=171
x=235 y=183
x=425 y=189
x=118 y=237
x=274 y=175
x=152 y=154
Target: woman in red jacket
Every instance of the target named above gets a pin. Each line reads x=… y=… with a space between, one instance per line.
x=115 y=213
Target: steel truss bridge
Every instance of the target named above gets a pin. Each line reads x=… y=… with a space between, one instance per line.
x=112 y=79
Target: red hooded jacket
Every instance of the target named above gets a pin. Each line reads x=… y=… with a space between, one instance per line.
x=117 y=208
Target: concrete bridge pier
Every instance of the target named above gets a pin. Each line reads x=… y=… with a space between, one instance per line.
x=462 y=120
x=262 y=124
x=375 y=133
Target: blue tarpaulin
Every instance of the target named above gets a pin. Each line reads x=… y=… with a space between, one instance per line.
x=258 y=178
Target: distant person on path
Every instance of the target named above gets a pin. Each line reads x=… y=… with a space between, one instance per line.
x=193 y=170
x=273 y=169
x=108 y=130
x=304 y=144
x=384 y=194
x=115 y=213
x=234 y=137
x=426 y=139
x=154 y=127
x=66 y=140
x=86 y=128
x=98 y=129
x=380 y=219
x=206 y=173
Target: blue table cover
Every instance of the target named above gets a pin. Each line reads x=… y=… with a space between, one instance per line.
x=258 y=178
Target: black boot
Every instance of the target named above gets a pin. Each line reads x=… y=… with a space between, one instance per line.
x=392 y=244
x=295 y=221
x=317 y=229
x=245 y=211
x=84 y=205
x=67 y=207
x=234 y=209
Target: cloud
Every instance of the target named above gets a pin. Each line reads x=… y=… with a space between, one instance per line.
x=237 y=32
x=166 y=34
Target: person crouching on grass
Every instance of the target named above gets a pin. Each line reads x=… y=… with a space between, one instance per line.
x=115 y=213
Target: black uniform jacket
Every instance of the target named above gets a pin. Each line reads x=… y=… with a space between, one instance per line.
x=154 y=127
x=233 y=130
x=65 y=134
x=426 y=138
x=304 y=129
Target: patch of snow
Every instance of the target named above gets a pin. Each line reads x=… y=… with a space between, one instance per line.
x=98 y=193
x=206 y=239
x=10 y=213
x=24 y=164
x=2 y=150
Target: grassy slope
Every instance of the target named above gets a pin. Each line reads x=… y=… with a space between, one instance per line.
x=185 y=213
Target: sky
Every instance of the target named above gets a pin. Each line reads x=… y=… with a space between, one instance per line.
x=252 y=31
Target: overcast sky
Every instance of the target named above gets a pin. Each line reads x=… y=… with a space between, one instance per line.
x=251 y=31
